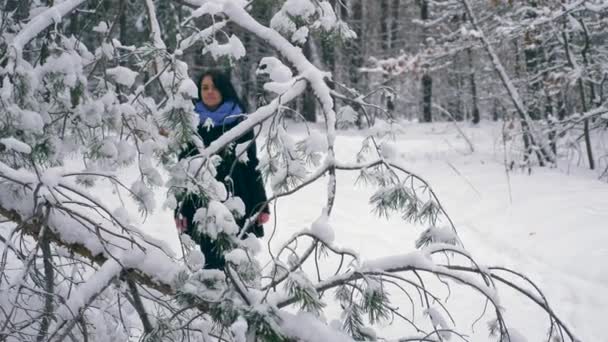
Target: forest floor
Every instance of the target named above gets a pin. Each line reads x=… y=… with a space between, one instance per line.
x=550 y=224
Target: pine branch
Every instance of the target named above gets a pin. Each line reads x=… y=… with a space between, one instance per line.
x=33 y=229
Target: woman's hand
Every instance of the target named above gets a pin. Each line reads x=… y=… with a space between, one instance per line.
x=181 y=224
x=263 y=218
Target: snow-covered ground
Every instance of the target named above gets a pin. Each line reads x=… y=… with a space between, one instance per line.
x=550 y=224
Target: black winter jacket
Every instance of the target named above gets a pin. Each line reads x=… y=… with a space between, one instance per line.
x=246 y=183
x=241 y=179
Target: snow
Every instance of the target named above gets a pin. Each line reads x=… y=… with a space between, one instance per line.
x=282 y=23
x=237 y=256
x=327 y=19
x=553 y=225
x=122 y=75
x=69 y=64
x=215 y=219
x=108 y=149
x=322 y=229
x=300 y=35
x=209 y=7
x=30 y=121
x=274 y=68
x=154 y=26
x=233 y=48
x=299 y=8
x=101 y=27
x=439 y=322
x=239 y=330
x=144 y=194
x=307 y=328
x=85 y=291
x=188 y=87
x=40 y=22
x=51 y=177
x=11 y=143
x=241 y=151
x=201 y=35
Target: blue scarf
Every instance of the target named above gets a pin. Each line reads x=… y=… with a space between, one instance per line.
x=227 y=113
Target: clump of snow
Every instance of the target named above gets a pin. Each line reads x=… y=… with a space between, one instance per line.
x=209 y=7
x=438 y=235
x=30 y=121
x=215 y=219
x=322 y=229
x=101 y=27
x=51 y=176
x=439 y=322
x=195 y=258
x=234 y=48
x=241 y=152
x=144 y=195
x=300 y=35
x=108 y=149
x=239 y=330
x=282 y=23
x=188 y=88
x=236 y=206
x=327 y=18
x=304 y=326
x=85 y=291
x=122 y=75
x=126 y=152
x=68 y=64
x=252 y=244
x=416 y=259
x=11 y=143
x=299 y=8
x=106 y=49
x=237 y=256
x=274 y=68
x=148 y=170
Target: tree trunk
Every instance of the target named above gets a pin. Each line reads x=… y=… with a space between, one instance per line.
x=592 y=93
x=385 y=35
x=582 y=95
x=427 y=80
x=476 y=116
x=427 y=97
x=544 y=152
x=532 y=54
x=309 y=100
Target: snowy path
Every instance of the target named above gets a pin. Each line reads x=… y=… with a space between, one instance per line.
x=554 y=230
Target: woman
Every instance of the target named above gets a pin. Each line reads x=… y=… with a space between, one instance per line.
x=219 y=110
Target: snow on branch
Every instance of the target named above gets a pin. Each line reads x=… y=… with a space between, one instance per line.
x=154 y=26
x=154 y=279
x=41 y=22
x=97 y=234
x=254 y=119
x=307 y=70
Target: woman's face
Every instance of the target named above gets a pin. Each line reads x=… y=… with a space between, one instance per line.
x=209 y=93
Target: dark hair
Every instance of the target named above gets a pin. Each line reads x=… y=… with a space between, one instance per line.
x=221 y=80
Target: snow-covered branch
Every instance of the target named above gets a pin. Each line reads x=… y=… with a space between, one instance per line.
x=41 y=22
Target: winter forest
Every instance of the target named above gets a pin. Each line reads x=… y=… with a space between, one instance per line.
x=435 y=170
